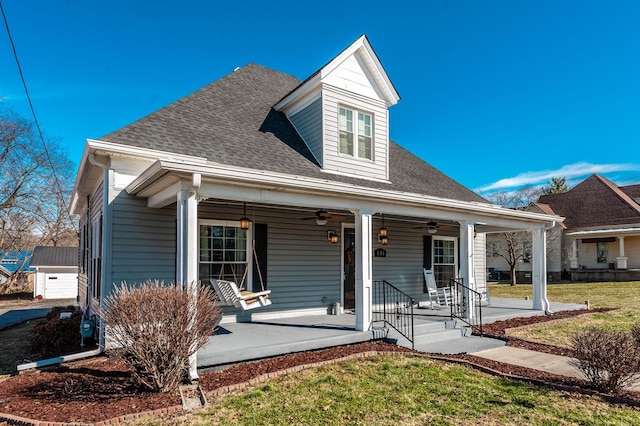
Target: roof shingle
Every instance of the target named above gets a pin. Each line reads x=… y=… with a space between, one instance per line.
x=596 y=201
x=54 y=256
x=231 y=122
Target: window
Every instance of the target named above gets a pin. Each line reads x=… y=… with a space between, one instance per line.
x=361 y=133
x=96 y=257
x=444 y=261
x=224 y=252
x=602 y=252
x=84 y=249
x=495 y=249
x=526 y=252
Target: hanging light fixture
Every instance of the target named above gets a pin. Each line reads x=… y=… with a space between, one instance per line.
x=383 y=230
x=382 y=234
x=244 y=221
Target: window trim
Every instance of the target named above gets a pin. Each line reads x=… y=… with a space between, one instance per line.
x=249 y=241
x=355 y=132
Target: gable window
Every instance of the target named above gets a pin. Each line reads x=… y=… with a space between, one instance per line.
x=224 y=252
x=355 y=140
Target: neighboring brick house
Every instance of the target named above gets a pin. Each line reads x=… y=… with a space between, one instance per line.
x=599 y=239
x=602 y=236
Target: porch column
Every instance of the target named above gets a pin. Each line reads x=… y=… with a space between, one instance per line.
x=539 y=269
x=574 y=255
x=466 y=264
x=621 y=260
x=364 y=280
x=187 y=249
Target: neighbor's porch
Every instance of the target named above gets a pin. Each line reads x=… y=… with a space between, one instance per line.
x=237 y=342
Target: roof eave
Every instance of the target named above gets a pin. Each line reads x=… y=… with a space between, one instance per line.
x=263 y=178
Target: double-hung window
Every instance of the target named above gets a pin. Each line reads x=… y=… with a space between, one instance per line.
x=359 y=133
x=224 y=252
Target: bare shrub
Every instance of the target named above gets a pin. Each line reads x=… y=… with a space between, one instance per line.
x=635 y=332
x=155 y=328
x=609 y=359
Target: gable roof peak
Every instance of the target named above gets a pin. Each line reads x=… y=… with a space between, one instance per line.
x=363 y=47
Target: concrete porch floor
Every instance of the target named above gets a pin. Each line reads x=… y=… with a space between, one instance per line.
x=235 y=342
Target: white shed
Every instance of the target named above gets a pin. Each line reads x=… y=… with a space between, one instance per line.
x=56 y=272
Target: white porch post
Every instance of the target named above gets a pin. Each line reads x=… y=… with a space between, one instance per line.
x=364 y=280
x=187 y=248
x=621 y=260
x=539 y=269
x=574 y=254
x=466 y=264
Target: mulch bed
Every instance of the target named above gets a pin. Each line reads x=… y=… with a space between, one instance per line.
x=102 y=388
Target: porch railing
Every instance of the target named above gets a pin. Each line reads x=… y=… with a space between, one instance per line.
x=466 y=305
x=394 y=307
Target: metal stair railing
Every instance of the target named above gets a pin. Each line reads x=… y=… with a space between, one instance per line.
x=394 y=307
x=466 y=305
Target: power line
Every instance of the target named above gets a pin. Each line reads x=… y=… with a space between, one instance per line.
x=35 y=120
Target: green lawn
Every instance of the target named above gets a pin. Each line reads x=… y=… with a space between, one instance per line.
x=624 y=297
x=404 y=390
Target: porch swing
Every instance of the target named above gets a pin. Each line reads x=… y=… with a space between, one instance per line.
x=231 y=295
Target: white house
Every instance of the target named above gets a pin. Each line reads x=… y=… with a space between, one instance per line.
x=310 y=168
x=56 y=272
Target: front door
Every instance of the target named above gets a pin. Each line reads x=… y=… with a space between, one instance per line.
x=349 y=268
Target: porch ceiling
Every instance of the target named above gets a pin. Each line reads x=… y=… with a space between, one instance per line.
x=161 y=183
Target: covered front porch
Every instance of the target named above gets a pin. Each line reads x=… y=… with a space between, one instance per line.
x=237 y=342
x=272 y=232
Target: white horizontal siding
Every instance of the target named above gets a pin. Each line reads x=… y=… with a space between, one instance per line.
x=480 y=262
x=334 y=161
x=308 y=123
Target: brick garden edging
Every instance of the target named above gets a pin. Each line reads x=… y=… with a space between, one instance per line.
x=223 y=390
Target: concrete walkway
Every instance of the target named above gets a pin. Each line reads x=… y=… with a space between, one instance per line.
x=15 y=315
x=538 y=361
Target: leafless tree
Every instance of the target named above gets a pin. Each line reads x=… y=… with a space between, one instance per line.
x=35 y=182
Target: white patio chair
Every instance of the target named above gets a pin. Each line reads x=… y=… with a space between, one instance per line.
x=442 y=296
x=229 y=294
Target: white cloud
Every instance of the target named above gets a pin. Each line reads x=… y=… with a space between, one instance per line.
x=572 y=172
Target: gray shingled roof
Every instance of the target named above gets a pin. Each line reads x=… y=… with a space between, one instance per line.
x=231 y=121
x=596 y=201
x=54 y=256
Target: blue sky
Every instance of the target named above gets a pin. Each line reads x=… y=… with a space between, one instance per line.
x=496 y=94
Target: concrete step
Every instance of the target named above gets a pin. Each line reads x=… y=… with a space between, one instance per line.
x=427 y=334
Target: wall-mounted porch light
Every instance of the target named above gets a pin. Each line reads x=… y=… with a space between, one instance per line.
x=244 y=221
x=332 y=236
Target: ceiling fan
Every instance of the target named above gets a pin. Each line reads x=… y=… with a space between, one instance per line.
x=322 y=217
x=432 y=227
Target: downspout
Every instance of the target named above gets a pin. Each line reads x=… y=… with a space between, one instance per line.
x=105 y=228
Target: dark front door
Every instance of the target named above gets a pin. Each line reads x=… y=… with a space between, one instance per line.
x=349 y=285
